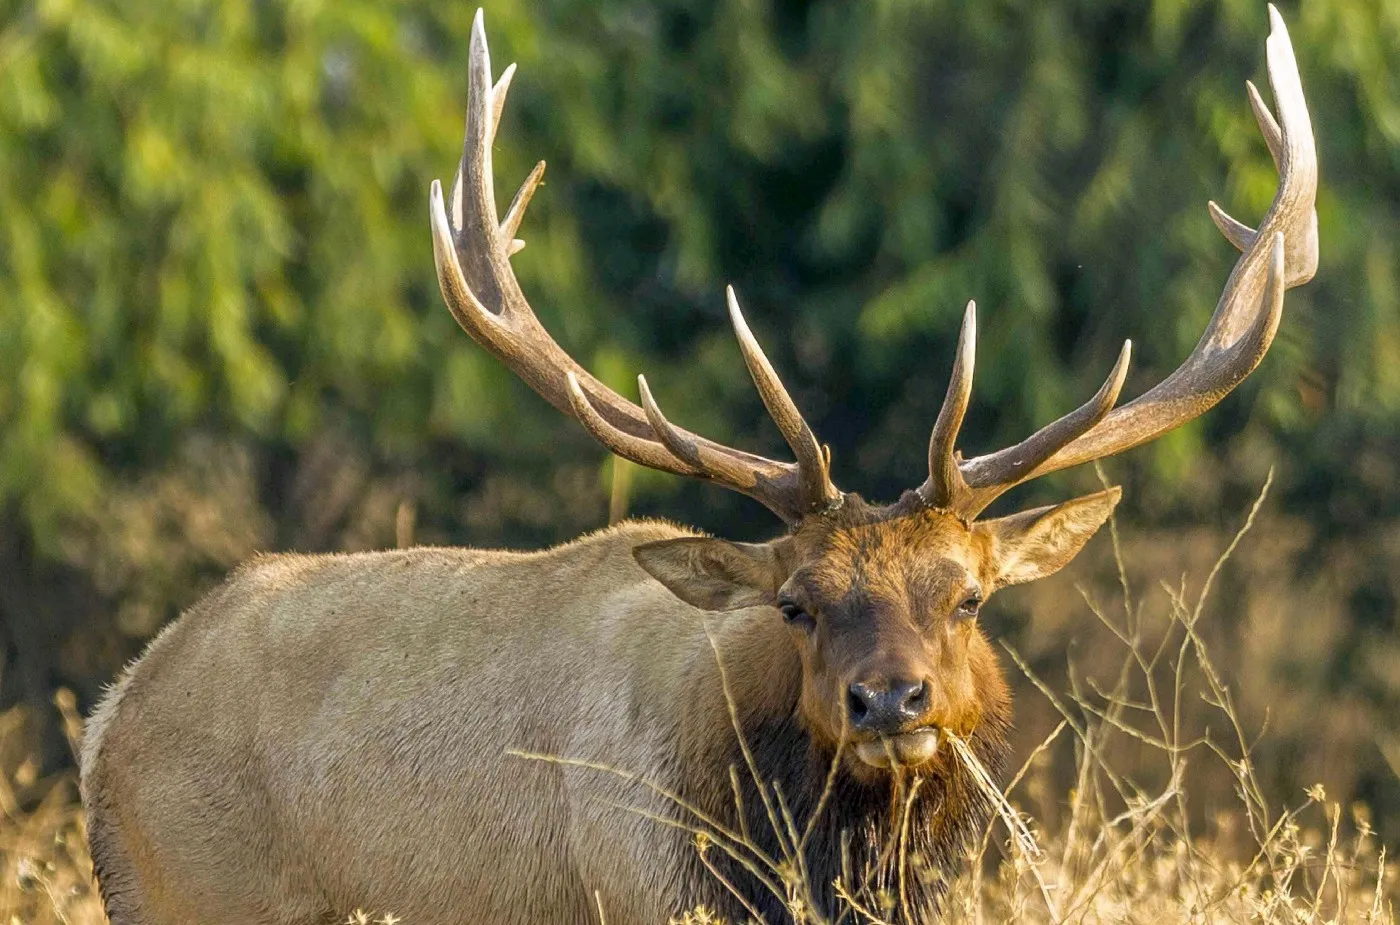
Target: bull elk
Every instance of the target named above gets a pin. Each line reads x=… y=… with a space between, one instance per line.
x=328 y=732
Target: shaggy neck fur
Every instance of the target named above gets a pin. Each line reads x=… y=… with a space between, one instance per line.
x=866 y=830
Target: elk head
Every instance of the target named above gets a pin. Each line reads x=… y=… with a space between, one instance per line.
x=882 y=601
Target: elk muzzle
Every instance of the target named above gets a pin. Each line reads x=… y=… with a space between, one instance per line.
x=890 y=717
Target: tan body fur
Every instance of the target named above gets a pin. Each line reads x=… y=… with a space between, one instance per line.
x=335 y=728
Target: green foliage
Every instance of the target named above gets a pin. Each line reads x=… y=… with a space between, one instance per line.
x=213 y=215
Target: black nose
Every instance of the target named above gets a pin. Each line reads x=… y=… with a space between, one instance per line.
x=885 y=707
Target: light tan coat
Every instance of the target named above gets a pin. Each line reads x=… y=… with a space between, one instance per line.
x=326 y=733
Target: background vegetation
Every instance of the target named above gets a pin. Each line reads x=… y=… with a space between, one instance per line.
x=220 y=331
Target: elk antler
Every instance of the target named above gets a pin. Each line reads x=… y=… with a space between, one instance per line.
x=1280 y=254
x=472 y=251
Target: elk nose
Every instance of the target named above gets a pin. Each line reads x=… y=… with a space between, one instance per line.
x=885 y=708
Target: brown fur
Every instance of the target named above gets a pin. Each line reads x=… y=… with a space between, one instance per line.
x=325 y=733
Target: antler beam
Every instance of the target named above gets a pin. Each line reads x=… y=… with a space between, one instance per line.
x=472 y=249
x=1280 y=254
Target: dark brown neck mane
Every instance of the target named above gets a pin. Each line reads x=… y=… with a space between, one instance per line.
x=856 y=838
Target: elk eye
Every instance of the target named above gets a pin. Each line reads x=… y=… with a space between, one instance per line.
x=970 y=605
x=794 y=614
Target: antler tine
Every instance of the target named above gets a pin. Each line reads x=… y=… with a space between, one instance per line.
x=670 y=436
x=472 y=247
x=1280 y=254
x=481 y=130
x=945 y=486
x=1025 y=456
x=1268 y=125
x=638 y=450
x=516 y=213
x=1286 y=142
x=1236 y=232
x=498 y=98
x=1298 y=161
x=811 y=461
x=479 y=61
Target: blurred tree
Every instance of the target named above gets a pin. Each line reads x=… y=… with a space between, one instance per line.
x=221 y=333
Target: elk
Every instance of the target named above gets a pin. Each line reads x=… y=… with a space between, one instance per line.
x=327 y=732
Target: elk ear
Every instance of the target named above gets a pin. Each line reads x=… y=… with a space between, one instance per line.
x=1040 y=542
x=713 y=574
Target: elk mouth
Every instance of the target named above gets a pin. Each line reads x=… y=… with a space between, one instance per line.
x=909 y=749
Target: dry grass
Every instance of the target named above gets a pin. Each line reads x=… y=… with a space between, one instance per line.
x=45 y=872
x=1118 y=847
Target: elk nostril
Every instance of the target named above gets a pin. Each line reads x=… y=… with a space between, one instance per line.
x=856 y=703
x=916 y=700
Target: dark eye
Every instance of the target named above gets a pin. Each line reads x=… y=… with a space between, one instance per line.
x=970 y=605
x=794 y=614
